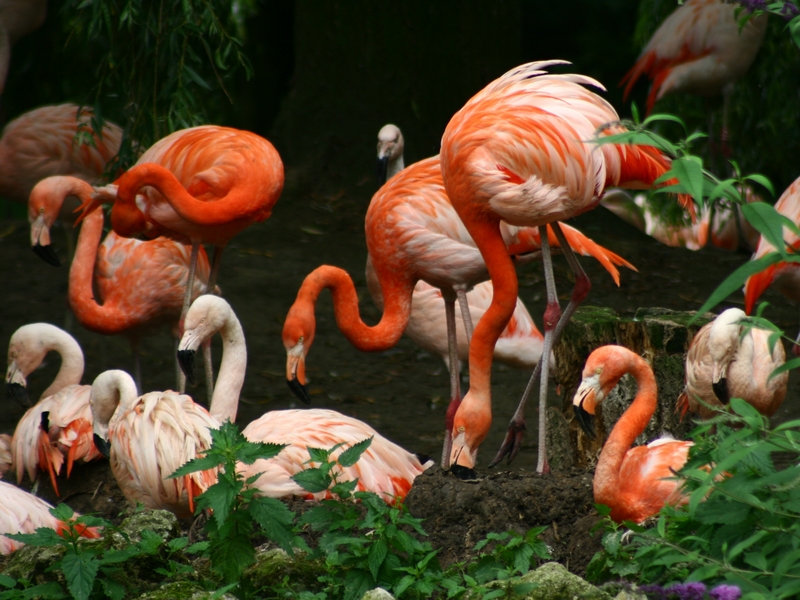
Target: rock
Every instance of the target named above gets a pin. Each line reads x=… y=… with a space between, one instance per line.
x=30 y=562
x=183 y=590
x=554 y=582
x=161 y=522
x=377 y=594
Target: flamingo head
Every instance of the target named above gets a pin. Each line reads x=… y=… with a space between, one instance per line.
x=44 y=206
x=603 y=369
x=298 y=335
x=207 y=315
x=470 y=425
x=24 y=355
x=104 y=399
x=390 y=148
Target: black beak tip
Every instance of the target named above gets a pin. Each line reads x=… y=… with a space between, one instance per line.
x=45 y=420
x=102 y=446
x=721 y=391
x=382 y=168
x=299 y=390
x=19 y=392
x=47 y=254
x=186 y=361
x=586 y=421
x=464 y=473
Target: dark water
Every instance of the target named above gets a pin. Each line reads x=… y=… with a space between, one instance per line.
x=401 y=392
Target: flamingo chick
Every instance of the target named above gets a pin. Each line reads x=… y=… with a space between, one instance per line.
x=59 y=427
x=727 y=360
x=22 y=512
x=634 y=482
x=385 y=468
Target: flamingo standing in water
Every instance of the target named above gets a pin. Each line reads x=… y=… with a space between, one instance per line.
x=385 y=468
x=22 y=512
x=141 y=283
x=413 y=233
x=59 y=427
x=726 y=361
x=785 y=275
x=521 y=151
x=634 y=482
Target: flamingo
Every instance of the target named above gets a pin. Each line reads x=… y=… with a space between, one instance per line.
x=413 y=233
x=724 y=226
x=521 y=151
x=727 y=361
x=6 y=453
x=59 y=426
x=141 y=284
x=42 y=142
x=634 y=482
x=22 y=512
x=390 y=152
x=18 y=18
x=385 y=468
x=205 y=184
x=699 y=49
x=785 y=275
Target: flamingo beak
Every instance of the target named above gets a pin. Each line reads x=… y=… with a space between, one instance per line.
x=102 y=446
x=462 y=457
x=40 y=242
x=47 y=254
x=16 y=385
x=296 y=375
x=583 y=405
x=186 y=362
x=382 y=168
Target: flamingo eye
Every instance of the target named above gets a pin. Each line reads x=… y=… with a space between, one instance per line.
x=14 y=354
x=300 y=340
x=598 y=370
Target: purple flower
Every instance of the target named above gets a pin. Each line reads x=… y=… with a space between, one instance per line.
x=753 y=5
x=725 y=592
x=789 y=11
x=688 y=591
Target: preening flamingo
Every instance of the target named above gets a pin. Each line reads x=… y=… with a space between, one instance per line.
x=146 y=438
x=22 y=512
x=385 y=468
x=634 y=482
x=412 y=234
x=17 y=19
x=205 y=184
x=42 y=143
x=521 y=151
x=140 y=283
x=785 y=275
x=723 y=226
x=726 y=360
x=699 y=49
x=59 y=426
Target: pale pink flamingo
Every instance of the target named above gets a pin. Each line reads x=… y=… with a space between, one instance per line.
x=412 y=233
x=204 y=184
x=785 y=275
x=58 y=427
x=390 y=152
x=22 y=512
x=385 y=468
x=18 y=18
x=634 y=482
x=726 y=360
x=6 y=453
x=521 y=151
x=723 y=226
x=699 y=49
x=140 y=283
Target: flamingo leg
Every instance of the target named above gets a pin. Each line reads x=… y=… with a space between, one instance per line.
x=455 y=375
x=466 y=316
x=554 y=323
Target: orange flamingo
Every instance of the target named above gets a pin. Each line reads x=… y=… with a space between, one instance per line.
x=18 y=18
x=634 y=482
x=385 y=468
x=205 y=183
x=413 y=233
x=22 y=512
x=521 y=151
x=49 y=141
x=140 y=284
x=726 y=360
x=59 y=426
x=785 y=275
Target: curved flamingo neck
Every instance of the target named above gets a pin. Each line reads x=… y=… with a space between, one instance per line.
x=627 y=429
x=384 y=335
x=225 y=401
x=72 y=365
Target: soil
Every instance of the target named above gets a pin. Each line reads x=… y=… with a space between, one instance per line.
x=402 y=393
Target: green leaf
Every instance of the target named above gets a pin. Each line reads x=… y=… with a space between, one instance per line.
x=80 y=571
x=350 y=456
x=113 y=589
x=768 y=222
x=252 y=451
x=7 y=582
x=62 y=512
x=43 y=536
x=318 y=455
x=313 y=480
x=196 y=464
x=794 y=30
x=276 y=520
x=220 y=497
x=357 y=582
x=690 y=173
x=233 y=555
x=761 y=180
x=377 y=553
x=735 y=281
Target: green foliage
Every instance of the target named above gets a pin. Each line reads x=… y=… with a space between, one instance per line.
x=157 y=61
x=236 y=505
x=741 y=524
